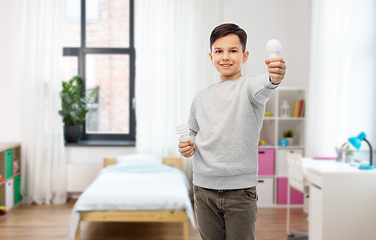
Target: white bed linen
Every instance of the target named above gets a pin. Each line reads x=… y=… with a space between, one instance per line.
x=135 y=186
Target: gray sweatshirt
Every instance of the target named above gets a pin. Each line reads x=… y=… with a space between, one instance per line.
x=225 y=122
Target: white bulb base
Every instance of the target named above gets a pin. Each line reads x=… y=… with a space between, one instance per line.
x=273 y=54
x=183 y=139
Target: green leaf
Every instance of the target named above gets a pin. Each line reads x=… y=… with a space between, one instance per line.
x=74 y=102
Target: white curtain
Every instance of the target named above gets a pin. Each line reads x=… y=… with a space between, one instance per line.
x=342 y=89
x=43 y=163
x=172 y=65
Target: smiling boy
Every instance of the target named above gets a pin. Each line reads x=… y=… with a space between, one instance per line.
x=225 y=122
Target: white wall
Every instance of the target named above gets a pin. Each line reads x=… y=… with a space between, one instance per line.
x=84 y=164
x=9 y=86
x=289 y=21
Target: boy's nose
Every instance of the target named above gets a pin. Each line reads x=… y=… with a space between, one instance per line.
x=225 y=57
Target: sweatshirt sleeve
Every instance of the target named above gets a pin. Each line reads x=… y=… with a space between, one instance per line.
x=261 y=89
x=192 y=121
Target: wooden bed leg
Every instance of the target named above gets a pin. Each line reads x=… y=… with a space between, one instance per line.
x=186 y=229
x=78 y=230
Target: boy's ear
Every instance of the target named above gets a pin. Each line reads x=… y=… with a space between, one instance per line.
x=211 y=57
x=245 y=56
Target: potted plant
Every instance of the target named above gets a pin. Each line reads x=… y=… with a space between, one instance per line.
x=349 y=155
x=288 y=135
x=74 y=107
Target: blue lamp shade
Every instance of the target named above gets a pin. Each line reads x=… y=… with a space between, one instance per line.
x=357 y=141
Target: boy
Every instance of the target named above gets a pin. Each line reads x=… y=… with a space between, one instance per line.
x=225 y=123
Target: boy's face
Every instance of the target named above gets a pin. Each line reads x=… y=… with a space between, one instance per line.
x=227 y=56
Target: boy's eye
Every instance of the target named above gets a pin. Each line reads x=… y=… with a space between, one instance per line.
x=218 y=51
x=233 y=51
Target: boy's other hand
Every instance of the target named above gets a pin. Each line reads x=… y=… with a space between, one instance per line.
x=276 y=69
x=186 y=149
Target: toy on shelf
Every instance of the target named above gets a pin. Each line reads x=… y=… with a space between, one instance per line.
x=283 y=142
x=16 y=165
x=285 y=109
x=1 y=178
x=2 y=209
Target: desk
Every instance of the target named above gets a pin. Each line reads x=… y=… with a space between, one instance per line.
x=342 y=201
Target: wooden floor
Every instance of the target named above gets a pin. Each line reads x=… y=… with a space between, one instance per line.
x=42 y=222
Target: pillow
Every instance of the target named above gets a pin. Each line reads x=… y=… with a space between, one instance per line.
x=139 y=159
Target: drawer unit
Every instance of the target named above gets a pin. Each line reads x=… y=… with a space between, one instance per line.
x=9 y=189
x=8 y=163
x=10 y=180
x=296 y=197
x=265 y=190
x=17 y=189
x=266 y=162
x=282 y=169
x=315 y=179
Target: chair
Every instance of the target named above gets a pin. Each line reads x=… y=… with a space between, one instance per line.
x=296 y=180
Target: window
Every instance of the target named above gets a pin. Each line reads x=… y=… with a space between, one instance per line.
x=98 y=46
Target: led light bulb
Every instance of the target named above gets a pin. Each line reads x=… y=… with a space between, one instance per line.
x=183 y=131
x=273 y=47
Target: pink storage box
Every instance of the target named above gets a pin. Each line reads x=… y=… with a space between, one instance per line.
x=296 y=197
x=266 y=162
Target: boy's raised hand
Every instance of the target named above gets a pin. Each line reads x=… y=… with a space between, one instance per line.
x=276 y=69
x=186 y=149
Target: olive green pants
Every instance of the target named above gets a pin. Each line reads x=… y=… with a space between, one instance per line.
x=226 y=214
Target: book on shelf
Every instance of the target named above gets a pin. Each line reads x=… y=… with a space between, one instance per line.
x=295 y=108
x=298 y=108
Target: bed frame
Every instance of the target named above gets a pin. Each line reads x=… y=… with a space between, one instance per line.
x=136 y=216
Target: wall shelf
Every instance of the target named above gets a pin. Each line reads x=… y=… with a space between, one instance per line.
x=272 y=133
x=10 y=188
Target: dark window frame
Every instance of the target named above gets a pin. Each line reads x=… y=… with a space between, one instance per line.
x=80 y=53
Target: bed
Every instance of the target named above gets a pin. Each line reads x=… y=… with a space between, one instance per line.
x=136 y=188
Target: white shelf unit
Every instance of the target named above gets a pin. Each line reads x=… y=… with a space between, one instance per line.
x=272 y=132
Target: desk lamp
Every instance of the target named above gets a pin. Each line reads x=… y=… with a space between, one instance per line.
x=357 y=142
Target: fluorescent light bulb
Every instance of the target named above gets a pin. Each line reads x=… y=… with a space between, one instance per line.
x=183 y=131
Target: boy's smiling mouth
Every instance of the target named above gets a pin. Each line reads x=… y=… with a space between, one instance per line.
x=226 y=65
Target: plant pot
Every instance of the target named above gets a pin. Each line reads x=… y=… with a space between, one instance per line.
x=348 y=158
x=290 y=141
x=72 y=134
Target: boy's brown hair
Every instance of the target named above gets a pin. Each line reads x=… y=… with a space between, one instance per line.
x=226 y=29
